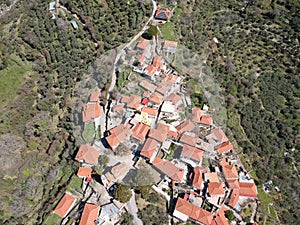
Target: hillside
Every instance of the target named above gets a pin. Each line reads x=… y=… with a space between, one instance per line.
x=252 y=49
x=42 y=58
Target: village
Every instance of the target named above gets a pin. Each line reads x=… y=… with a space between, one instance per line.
x=153 y=121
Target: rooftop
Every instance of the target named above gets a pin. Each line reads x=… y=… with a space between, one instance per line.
x=224 y=147
x=84 y=171
x=185 y=126
x=87 y=154
x=193 y=211
x=149 y=149
x=163 y=14
x=192 y=153
x=143 y=43
x=190 y=139
x=215 y=188
x=230 y=172
x=90 y=112
x=117 y=135
x=169 y=169
x=89 y=214
x=64 y=205
x=140 y=131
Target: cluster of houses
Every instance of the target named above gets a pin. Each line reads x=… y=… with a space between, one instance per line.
x=158 y=121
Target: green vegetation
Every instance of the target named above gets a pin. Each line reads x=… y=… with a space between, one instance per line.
x=75 y=184
x=127 y=219
x=255 y=62
x=89 y=132
x=11 y=78
x=103 y=160
x=229 y=215
x=168 y=31
x=265 y=201
x=122 y=193
x=172 y=150
x=153 y=210
x=52 y=219
x=42 y=61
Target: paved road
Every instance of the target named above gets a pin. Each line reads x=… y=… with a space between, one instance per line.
x=114 y=77
x=132 y=209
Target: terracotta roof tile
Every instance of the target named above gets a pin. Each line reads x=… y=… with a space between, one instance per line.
x=89 y=214
x=143 y=43
x=156 y=98
x=190 y=139
x=84 y=171
x=215 y=188
x=196 y=115
x=87 y=154
x=64 y=205
x=174 y=98
x=193 y=211
x=234 y=197
x=169 y=44
x=90 y=112
x=230 y=172
x=192 y=153
x=140 y=131
x=153 y=111
x=169 y=169
x=160 y=133
x=117 y=135
x=233 y=184
x=248 y=190
x=220 y=135
x=149 y=148
x=220 y=217
x=157 y=61
x=172 y=79
x=185 y=126
x=206 y=120
x=94 y=96
x=150 y=70
x=198 y=177
x=134 y=101
x=163 y=88
x=118 y=108
x=224 y=147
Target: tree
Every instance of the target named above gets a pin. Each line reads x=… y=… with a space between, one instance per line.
x=229 y=215
x=127 y=219
x=122 y=193
x=103 y=160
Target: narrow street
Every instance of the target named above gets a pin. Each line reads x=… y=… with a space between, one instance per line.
x=132 y=209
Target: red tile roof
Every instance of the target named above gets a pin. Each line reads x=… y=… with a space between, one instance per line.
x=160 y=133
x=117 y=135
x=140 y=131
x=193 y=211
x=224 y=147
x=248 y=190
x=220 y=217
x=220 y=135
x=94 y=96
x=157 y=61
x=192 y=153
x=87 y=154
x=215 y=188
x=118 y=108
x=156 y=98
x=169 y=169
x=163 y=88
x=84 y=171
x=153 y=111
x=206 y=120
x=174 y=98
x=198 y=177
x=149 y=148
x=196 y=115
x=134 y=101
x=150 y=70
x=89 y=214
x=143 y=43
x=234 y=197
x=169 y=44
x=190 y=139
x=230 y=172
x=233 y=184
x=185 y=126
x=145 y=101
x=64 y=205
x=90 y=112
x=171 y=79
x=172 y=134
